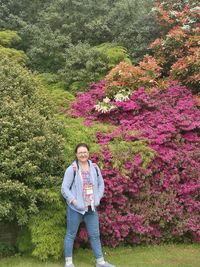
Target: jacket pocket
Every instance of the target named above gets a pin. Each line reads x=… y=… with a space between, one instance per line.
x=79 y=207
x=97 y=200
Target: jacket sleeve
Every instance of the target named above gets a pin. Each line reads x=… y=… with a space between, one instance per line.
x=100 y=183
x=66 y=184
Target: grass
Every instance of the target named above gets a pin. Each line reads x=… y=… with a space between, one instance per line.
x=149 y=256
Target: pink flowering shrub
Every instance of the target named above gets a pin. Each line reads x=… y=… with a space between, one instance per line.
x=150 y=164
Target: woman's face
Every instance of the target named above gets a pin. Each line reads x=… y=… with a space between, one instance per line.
x=82 y=154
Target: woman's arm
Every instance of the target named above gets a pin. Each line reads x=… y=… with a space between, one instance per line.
x=100 y=183
x=66 y=184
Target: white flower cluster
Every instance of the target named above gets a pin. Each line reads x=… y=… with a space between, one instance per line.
x=106 y=100
x=185 y=27
x=105 y=106
x=122 y=96
x=173 y=13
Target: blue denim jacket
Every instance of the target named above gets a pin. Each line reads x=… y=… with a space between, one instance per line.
x=72 y=187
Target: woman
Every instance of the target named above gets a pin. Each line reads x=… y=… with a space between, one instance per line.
x=83 y=188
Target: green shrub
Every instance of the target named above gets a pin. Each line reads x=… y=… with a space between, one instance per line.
x=76 y=132
x=44 y=234
x=7 y=39
x=31 y=144
x=24 y=241
x=114 y=53
x=54 y=91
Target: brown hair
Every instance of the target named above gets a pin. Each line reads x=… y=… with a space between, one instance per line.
x=81 y=145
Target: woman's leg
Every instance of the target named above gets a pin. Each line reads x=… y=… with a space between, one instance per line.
x=73 y=221
x=91 y=219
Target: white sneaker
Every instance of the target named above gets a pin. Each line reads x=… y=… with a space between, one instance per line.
x=106 y=264
x=71 y=265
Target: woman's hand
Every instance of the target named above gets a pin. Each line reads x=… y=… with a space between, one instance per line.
x=74 y=202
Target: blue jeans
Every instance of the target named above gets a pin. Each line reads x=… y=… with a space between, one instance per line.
x=91 y=220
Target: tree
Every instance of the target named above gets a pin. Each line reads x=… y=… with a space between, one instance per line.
x=47 y=49
x=85 y=64
x=48 y=27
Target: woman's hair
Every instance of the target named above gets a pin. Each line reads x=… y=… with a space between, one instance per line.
x=81 y=145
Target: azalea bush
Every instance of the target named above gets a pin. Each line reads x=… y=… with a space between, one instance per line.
x=150 y=163
x=121 y=81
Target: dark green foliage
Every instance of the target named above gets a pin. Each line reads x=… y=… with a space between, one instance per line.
x=47 y=48
x=7 y=250
x=83 y=64
x=31 y=144
x=133 y=26
x=47 y=28
x=13 y=13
